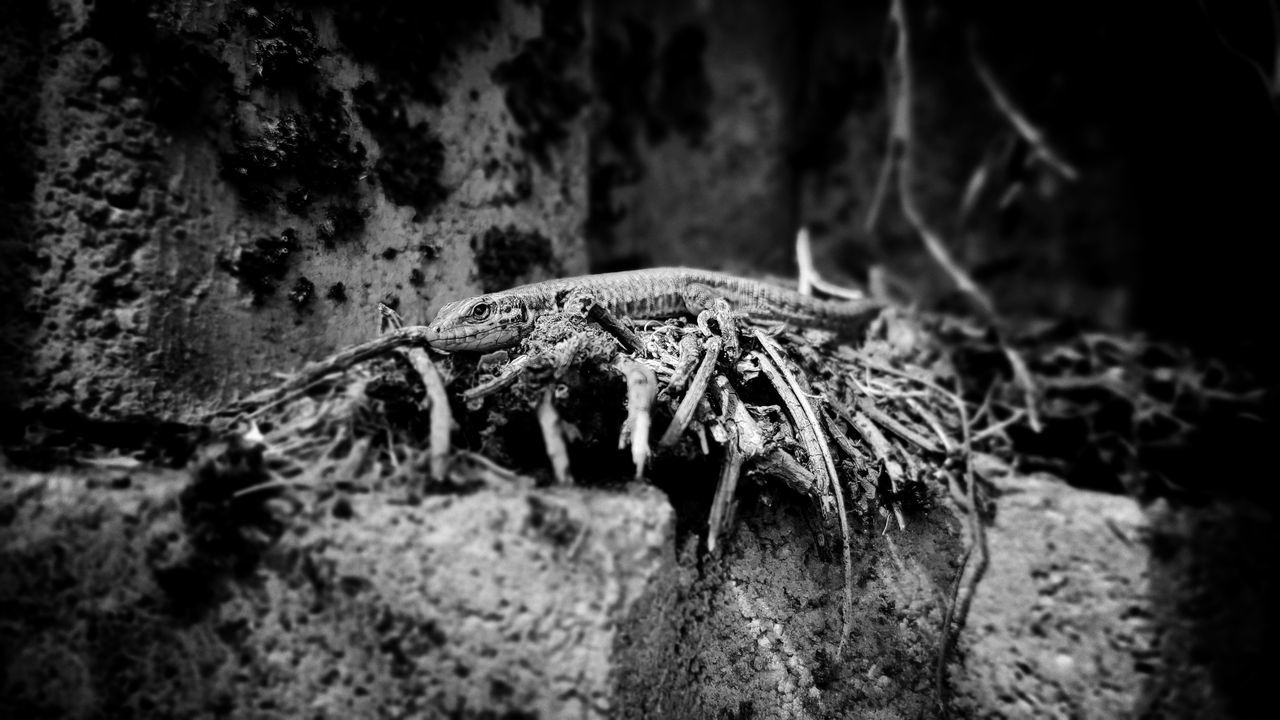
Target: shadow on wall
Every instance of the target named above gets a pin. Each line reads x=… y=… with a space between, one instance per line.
x=23 y=32
x=1213 y=589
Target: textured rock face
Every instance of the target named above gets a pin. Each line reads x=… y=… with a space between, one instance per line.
x=576 y=603
x=691 y=153
x=1062 y=625
x=504 y=603
x=203 y=195
x=757 y=632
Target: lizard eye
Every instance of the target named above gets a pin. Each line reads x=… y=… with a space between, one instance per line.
x=481 y=311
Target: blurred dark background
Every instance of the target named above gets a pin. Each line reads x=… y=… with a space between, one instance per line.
x=1159 y=106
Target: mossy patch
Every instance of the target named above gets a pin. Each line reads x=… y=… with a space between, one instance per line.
x=505 y=255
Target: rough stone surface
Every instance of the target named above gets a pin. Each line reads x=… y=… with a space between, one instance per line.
x=586 y=603
x=755 y=633
x=690 y=156
x=502 y=603
x=1062 y=624
x=194 y=181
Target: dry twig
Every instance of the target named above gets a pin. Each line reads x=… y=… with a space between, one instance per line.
x=435 y=401
x=503 y=380
x=958 y=608
x=553 y=437
x=642 y=387
x=1018 y=119
x=743 y=441
x=691 y=350
x=901 y=138
x=897 y=427
x=257 y=404
x=780 y=464
x=595 y=312
x=688 y=404
x=807 y=427
x=810 y=279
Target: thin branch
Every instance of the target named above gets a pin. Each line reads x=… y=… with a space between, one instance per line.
x=809 y=277
x=902 y=111
x=1030 y=390
x=897 y=427
x=809 y=426
x=599 y=314
x=882 y=448
x=744 y=441
x=691 y=350
x=642 y=387
x=932 y=421
x=999 y=427
x=781 y=465
x=688 y=404
x=314 y=372
x=435 y=401
x=1270 y=80
x=727 y=486
x=903 y=134
x=958 y=609
x=1022 y=125
x=553 y=437
x=506 y=379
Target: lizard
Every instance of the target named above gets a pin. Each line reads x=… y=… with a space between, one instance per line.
x=497 y=320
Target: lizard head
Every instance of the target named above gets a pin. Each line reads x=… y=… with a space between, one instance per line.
x=480 y=324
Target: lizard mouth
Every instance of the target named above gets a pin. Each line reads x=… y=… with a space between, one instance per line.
x=457 y=339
